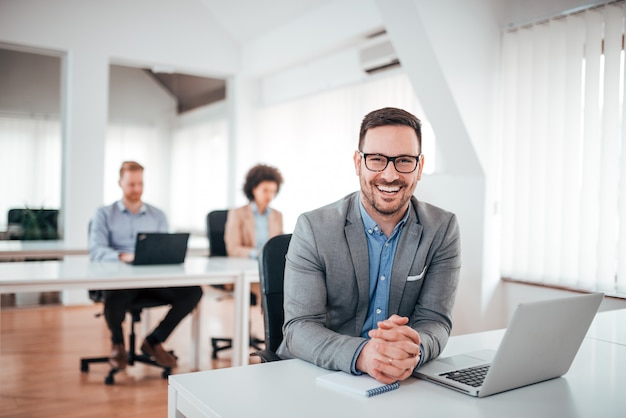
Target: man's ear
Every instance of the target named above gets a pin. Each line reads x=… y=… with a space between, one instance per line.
x=357 y=162
x=420 y=167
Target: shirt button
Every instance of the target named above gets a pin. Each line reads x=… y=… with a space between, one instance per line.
x=378 y=311
x=382 y=278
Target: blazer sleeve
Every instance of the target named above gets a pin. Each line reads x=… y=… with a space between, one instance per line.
x=234 y=231
x=308 y=329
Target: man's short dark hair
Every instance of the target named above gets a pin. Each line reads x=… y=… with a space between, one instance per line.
x=390 y=116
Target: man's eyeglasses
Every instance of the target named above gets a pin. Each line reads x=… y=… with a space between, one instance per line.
x=404 y=164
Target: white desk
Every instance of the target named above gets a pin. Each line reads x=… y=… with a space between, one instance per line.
x=76 y=272
x=20 y=250
x=593 y=387
x=609 y=326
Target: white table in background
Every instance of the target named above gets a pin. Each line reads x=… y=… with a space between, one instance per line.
x=77 y=272
x=593 y=387
x=16 y=250
x=20 y=250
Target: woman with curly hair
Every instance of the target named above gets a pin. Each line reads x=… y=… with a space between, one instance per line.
x=250 y=226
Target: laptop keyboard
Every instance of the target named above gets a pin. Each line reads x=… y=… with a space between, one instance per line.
x=473 y=376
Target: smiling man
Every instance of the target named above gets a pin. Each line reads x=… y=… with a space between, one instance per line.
x=370 y=280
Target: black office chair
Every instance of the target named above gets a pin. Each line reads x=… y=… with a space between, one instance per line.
x=215 y=227
x=133 y=356
x=271 y=274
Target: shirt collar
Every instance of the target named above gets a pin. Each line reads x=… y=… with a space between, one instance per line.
x=371 y=225
x=122 y=208
x=255 y=209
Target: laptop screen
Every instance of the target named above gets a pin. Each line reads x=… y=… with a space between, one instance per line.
x=153 y=248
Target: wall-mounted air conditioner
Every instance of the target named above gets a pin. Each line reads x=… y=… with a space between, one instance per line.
x=378 y=54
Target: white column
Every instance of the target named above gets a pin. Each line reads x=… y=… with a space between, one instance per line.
x=85 y=114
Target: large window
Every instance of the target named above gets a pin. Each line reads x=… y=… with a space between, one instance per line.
x=564 y=151
x=199 y=165
x=184 y=169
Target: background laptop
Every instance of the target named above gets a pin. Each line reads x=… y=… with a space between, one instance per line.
x=160 y=248
x=540 y=343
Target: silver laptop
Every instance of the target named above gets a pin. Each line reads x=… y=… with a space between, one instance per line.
x=539 y=344
x=160 y=248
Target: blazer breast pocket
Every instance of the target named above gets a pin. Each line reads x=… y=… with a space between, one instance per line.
x=418 y=277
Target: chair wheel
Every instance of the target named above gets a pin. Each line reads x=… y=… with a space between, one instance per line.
x=109 y=380
x=166 y=373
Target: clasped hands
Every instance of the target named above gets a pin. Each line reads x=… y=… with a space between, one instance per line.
x=392 y=352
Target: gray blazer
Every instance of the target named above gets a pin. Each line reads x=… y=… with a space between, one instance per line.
x=327 y=281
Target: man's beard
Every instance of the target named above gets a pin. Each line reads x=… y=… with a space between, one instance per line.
x=371 y=192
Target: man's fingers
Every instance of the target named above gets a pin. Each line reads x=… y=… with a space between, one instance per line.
x=398 y=333
x=393 y=321
x=394 y=369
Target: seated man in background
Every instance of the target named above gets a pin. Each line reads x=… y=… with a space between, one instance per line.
x=370 y=280
x=112 y=236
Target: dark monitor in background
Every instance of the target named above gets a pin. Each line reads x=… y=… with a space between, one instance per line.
x=33 y=224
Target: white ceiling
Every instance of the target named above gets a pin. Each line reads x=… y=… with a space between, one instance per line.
x=246 y=19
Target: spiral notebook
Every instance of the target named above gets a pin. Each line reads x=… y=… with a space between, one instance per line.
x=363 y=385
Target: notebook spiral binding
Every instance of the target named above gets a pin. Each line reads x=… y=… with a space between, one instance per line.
x=383 y=389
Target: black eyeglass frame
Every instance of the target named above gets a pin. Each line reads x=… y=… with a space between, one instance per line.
x=391 y=159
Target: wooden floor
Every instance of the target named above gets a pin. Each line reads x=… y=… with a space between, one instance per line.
x=41 y=347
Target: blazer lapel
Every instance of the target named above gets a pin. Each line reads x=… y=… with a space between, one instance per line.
x=360 y=258
x=249 y=227
x=405 y=255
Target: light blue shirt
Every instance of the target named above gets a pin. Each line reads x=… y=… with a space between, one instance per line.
x=382 y=251
x=113 y=229
x=261 y=228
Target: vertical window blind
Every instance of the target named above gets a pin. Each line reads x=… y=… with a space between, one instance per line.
x=563 y=165
x=184 y=168
x=30 y=164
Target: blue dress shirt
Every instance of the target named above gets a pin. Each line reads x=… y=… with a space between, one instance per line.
x=381 y=254
x=261 y=228
x=114 y=229
x=382 y=251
